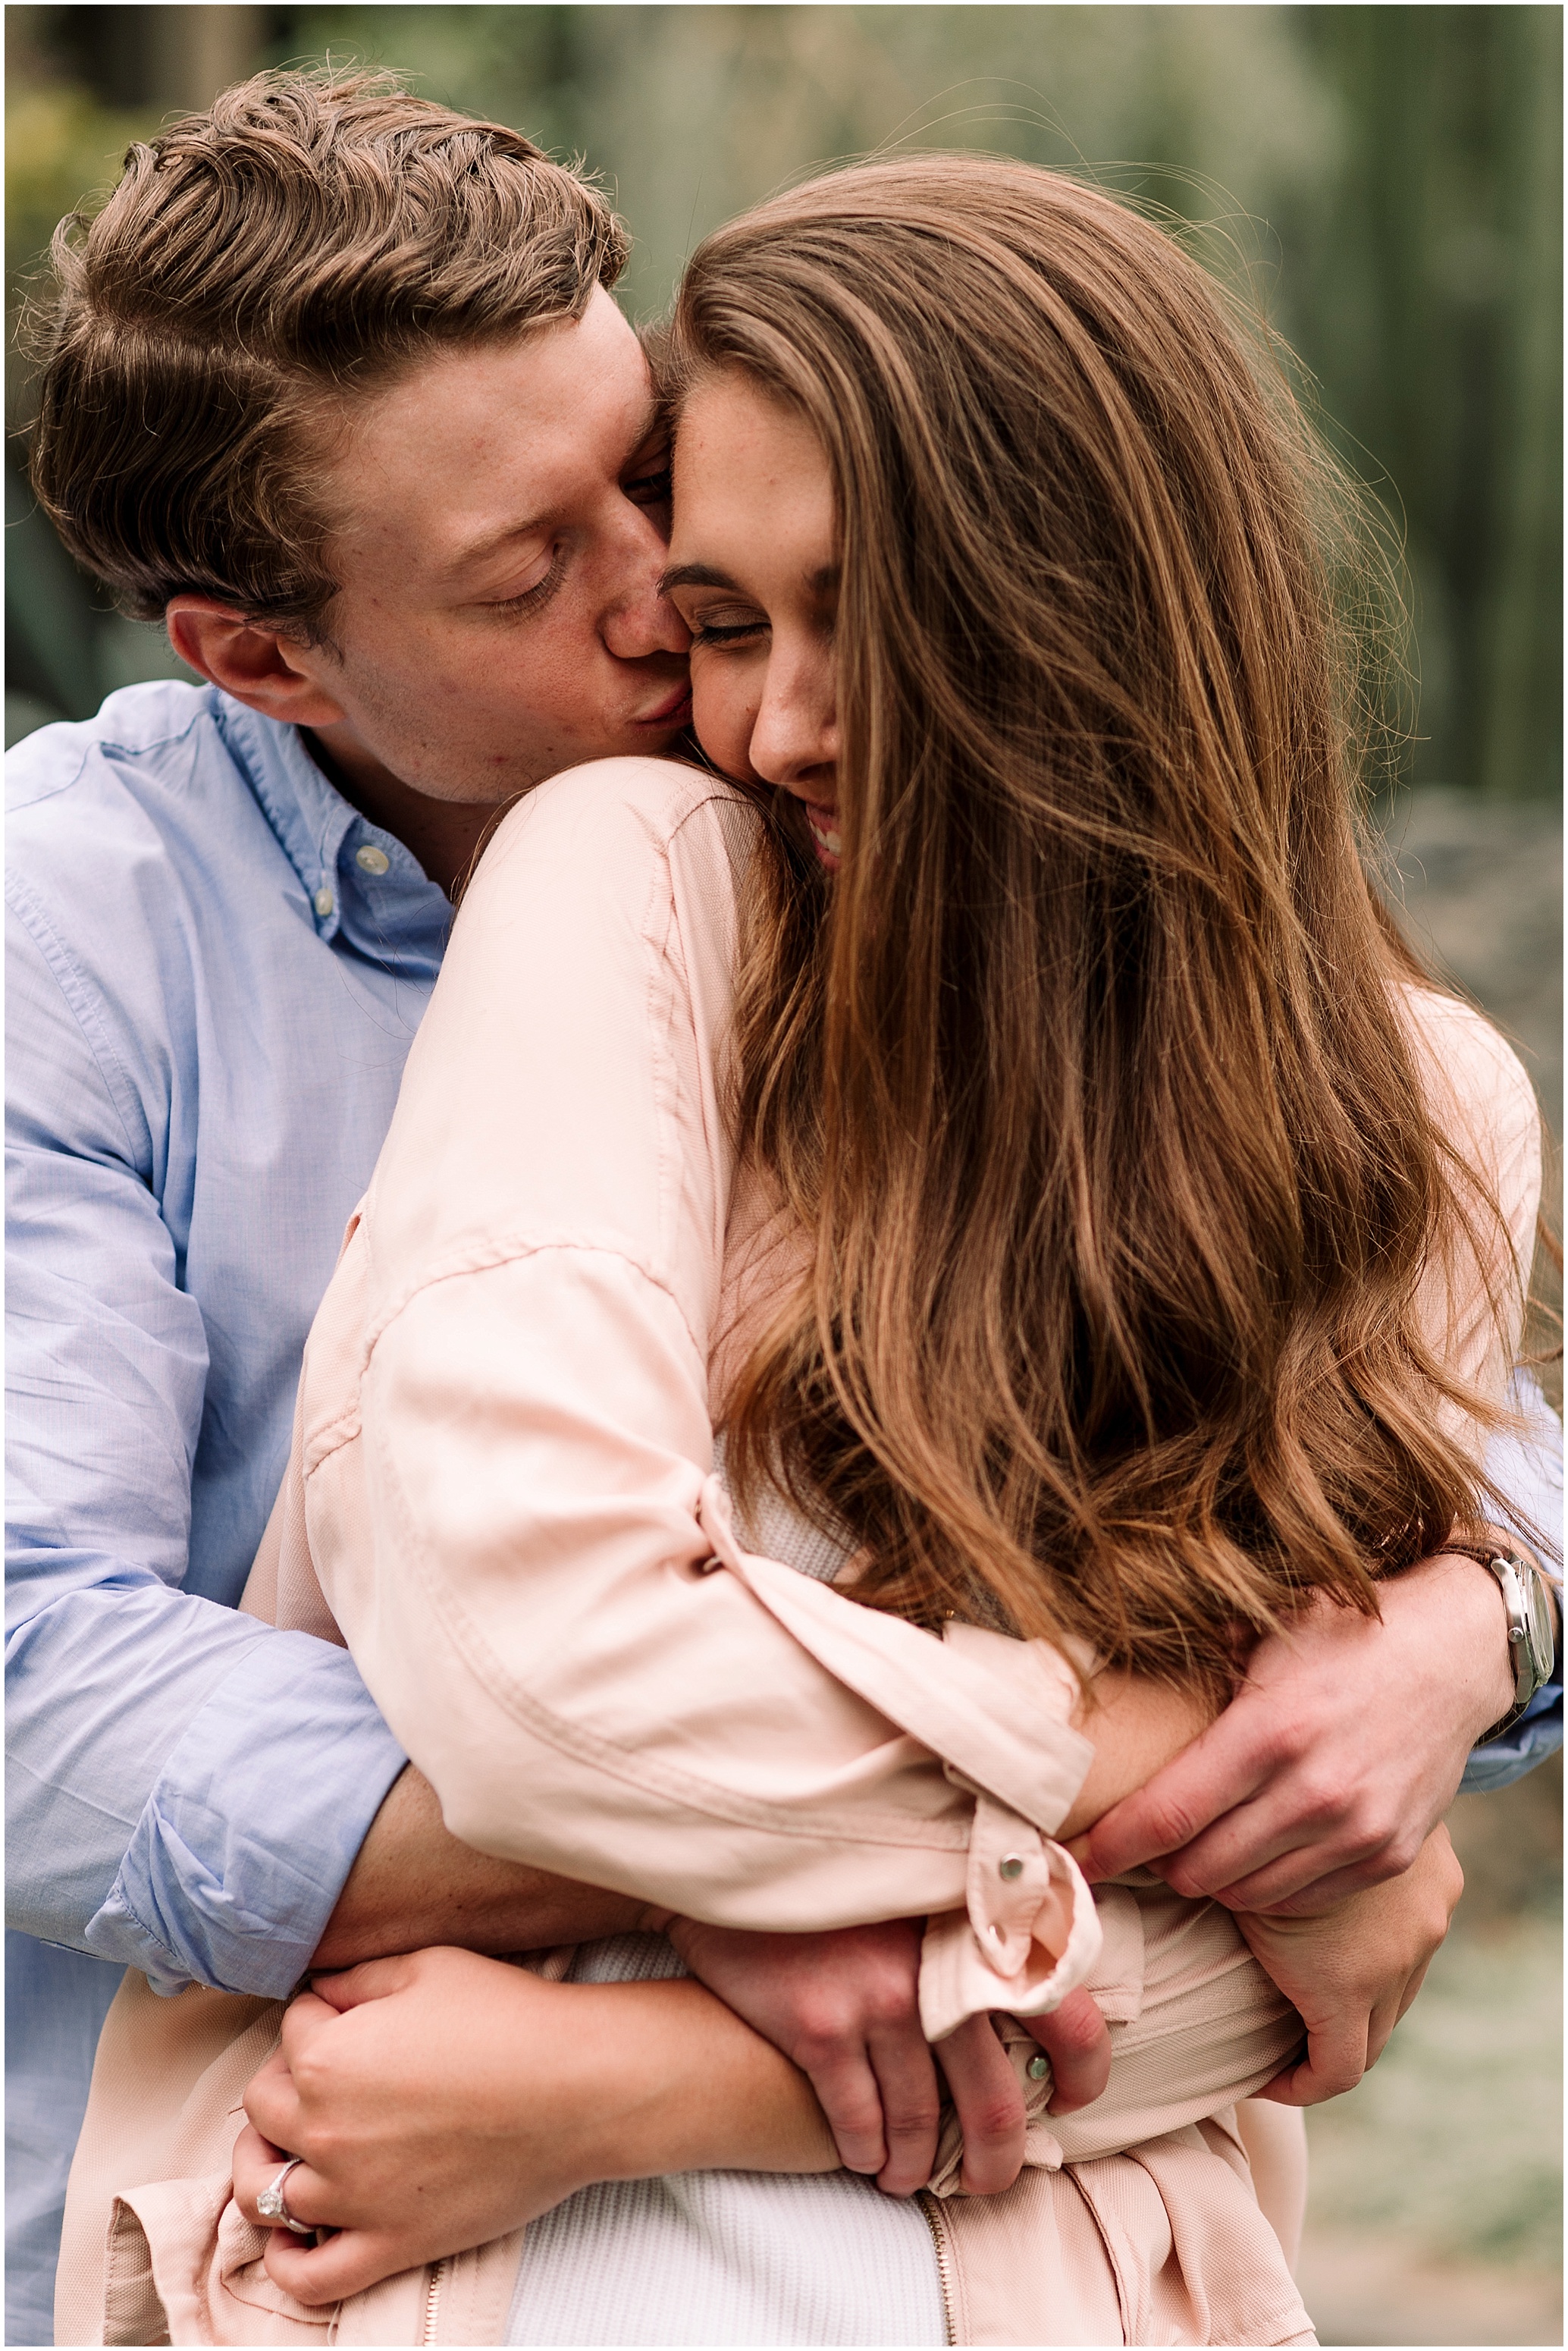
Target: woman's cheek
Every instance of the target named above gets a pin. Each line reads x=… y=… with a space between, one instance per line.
x=725 y=703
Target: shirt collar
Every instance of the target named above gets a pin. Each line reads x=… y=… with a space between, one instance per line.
x=360 y=884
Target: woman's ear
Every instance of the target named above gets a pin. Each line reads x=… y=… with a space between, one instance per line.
x=278 y=675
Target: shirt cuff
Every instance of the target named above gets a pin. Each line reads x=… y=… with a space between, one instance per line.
x=252 y=1825
x=1537 y=1734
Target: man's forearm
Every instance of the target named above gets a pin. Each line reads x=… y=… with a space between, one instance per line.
x=1524 y=1466
x=415 y=1884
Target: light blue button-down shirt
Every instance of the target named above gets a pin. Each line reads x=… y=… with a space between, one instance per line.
x=215 y=969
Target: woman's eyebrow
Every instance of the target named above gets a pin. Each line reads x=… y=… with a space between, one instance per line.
x=696 y=575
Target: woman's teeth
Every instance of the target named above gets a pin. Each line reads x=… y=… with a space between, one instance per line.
x=826 y=836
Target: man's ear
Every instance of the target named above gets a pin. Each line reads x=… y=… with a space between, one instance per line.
x=278 y=675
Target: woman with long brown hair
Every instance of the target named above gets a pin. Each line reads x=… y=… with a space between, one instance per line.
x=1112 y=1105
x=1024 y=1143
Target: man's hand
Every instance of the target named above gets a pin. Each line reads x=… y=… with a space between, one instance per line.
x=844 y=2007
x=1343 y=1750
x=443 y=2099
x=1354 y=1971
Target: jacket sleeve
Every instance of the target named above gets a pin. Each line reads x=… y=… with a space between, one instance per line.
x=505 y=1453
x=139 y=1826
x=1472 y=1305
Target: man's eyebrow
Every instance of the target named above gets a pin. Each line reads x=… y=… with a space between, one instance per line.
x=655 y=421
x=696 y=575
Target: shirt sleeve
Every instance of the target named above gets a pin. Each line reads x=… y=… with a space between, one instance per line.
x=1525 y=1467
x=186 y=1789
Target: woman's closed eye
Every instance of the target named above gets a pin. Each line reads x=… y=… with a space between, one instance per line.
x=727 y=632
x=730 y=620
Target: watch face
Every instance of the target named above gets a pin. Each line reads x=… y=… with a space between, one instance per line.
x=1540 y=1629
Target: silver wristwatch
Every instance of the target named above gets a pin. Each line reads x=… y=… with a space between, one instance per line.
x=1531 y=1627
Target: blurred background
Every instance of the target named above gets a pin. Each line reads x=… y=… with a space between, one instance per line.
x=1388 y=180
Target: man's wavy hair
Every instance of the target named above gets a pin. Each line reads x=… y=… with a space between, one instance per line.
x=1085 y=1076
x=256 y=268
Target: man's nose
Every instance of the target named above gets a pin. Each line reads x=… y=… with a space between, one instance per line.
x=638 y=620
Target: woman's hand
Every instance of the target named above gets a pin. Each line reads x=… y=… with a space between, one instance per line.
x=443 y=2099
x=1339 y=1756
x=844 y=2007
x=1353 y=1970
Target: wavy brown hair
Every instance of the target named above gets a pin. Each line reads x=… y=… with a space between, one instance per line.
x=1084 y=1075
x=258 y=268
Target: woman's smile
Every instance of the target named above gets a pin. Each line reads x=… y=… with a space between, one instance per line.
x=825 y=838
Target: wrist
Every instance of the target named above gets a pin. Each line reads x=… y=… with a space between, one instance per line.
x=1477 y=1625
x=586 y=2063
x=673 y=2081
x=1531 y=1614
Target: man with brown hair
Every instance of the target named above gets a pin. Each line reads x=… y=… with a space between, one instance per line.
x=333 y=385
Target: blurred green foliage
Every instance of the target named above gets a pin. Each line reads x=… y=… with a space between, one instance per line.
x=1490 y=2013
x=1389 y=178
x=1434 y=2213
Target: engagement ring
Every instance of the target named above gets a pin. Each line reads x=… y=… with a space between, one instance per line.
x=271 y=2206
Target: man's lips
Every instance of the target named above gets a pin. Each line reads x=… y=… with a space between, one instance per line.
x=674 y=711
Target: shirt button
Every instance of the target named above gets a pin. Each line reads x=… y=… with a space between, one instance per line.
x=322 y=902
x=371 y=860
x=1037 y=2068
x=1011 y=1865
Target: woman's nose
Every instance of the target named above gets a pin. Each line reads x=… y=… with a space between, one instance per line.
x=796 y=729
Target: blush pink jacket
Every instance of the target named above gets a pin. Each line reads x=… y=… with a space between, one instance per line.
x=503 y=1481
x=502 y=1494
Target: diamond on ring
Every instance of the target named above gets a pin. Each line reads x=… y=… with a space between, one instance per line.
x=269 y=2203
